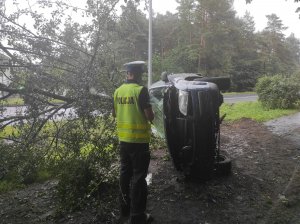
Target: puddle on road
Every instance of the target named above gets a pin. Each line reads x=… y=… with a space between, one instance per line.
x=287 y=127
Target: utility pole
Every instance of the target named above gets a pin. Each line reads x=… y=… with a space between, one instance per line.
x=150 y=46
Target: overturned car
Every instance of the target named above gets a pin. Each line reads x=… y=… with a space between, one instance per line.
x=187 y=116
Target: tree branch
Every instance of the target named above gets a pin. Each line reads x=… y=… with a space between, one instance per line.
x=51 y=40
x=43 y=55
x=35 y=134
x=35 y=90
x=16 y=24
x=6 y=96
x=13 y=119
x=31 y=67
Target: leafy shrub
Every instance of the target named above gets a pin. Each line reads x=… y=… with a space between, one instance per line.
x=278 y=92
x=19 y=166
x=157 y=142
x=81 y=153
x=87 y=167
x=6 y=186
x=84 y=181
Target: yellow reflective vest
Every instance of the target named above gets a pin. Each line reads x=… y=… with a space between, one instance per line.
x=132 y=125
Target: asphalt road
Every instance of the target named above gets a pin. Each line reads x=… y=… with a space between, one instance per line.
x=234 y=98
x=287 y=127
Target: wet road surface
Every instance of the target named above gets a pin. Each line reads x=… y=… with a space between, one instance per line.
x=287 y=127
x=234 y=98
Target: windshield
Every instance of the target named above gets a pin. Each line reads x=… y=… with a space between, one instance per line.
x=156 y=99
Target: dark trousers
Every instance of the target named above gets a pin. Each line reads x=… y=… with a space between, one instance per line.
x=135 y=158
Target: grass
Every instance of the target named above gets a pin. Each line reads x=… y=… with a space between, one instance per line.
x=252 y=110
x=12 y=184
x=6 y=186
x=13 y=102
x=8 y=130
x=43 y=175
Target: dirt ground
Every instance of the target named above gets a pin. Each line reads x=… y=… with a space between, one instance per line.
x=264 y=187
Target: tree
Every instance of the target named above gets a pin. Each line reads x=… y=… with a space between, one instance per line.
x=69 y=57
x=166 y=32
x=186 y=14
x=274 y=53
x=246 y=64
x=203 y=43
x=293 y=46
x=132 y=34
x=60 y=58
x=217 y=20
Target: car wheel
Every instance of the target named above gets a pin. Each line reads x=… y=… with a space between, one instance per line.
x=223 y=165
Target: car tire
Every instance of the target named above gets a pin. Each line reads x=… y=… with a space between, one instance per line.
x=223 y=165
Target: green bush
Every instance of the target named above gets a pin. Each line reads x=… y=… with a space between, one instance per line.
x=278 y=91
x=19 y=166
x=86 y=163
x=84 y=181
x=80 y=153
x=157 y=142
x=6 y=186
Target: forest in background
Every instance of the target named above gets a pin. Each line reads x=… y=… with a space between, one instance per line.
x=203 y=36
x=207 y=37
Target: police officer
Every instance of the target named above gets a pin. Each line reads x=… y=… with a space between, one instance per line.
x=134 y=113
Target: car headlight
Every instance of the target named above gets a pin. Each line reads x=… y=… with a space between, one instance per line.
x=183 y=100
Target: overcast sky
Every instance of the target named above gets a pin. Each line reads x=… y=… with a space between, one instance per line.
x=285 y=9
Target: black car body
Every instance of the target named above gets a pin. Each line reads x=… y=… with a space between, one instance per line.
x=187 y=115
